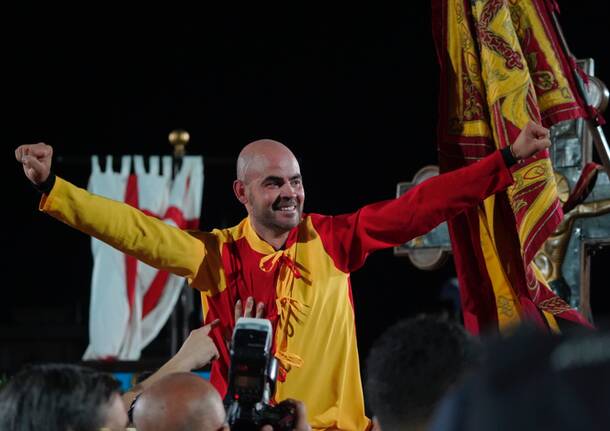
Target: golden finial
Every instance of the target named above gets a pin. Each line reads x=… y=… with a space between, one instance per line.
x=179 y=139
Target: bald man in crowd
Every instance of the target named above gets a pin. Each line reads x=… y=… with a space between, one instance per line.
x=179 y=401
x=297 y=265
x=185 y=401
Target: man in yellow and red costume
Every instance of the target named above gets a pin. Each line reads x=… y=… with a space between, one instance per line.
x=298 y=265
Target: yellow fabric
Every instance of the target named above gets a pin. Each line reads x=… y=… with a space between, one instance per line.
x=551 y=321
x=510 y=88
x=210 y=278
x=323 y=309
x=328 y=380
x=538 y=174
x=509 y=310
x=465 y=118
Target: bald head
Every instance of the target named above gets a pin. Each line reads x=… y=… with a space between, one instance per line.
x=256 y=156
x=270 y=187
x=179 y=401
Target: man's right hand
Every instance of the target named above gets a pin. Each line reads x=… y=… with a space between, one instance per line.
x=241 y=312
x=533 y=138
x=36 y=161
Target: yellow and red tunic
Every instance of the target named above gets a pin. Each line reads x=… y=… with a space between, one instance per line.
x=305 y=286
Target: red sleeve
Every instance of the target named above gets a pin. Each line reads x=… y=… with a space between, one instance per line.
x=349 y=238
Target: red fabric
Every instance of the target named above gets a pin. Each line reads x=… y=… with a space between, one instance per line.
x=244 y=279
x=153 y=294
x=478 y=303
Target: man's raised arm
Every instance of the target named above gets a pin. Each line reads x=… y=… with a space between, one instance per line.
x=115 y=223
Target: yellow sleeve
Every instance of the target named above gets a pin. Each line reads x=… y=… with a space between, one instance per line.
x=125 y=228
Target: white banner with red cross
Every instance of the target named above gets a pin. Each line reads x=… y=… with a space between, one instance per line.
x=131 y=301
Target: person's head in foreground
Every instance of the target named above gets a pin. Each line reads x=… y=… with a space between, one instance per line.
x=177 y=402
x=61 y=397
x=412 y=365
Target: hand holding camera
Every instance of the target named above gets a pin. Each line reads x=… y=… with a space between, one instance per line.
x=299 y=417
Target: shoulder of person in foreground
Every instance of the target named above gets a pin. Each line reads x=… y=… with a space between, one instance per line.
x=533 y=378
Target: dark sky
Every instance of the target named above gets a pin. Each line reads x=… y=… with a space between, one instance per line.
x=353 y=93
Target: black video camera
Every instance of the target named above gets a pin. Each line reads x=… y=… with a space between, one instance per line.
x=252 y=377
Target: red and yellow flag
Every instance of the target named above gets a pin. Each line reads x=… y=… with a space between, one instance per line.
x=501 y=66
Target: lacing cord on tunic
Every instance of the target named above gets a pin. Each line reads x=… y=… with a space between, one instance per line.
x=288 y=307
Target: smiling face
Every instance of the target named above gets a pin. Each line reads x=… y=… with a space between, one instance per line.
x=270 y=186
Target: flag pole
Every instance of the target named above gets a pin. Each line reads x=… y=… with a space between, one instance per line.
x=179 y=139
